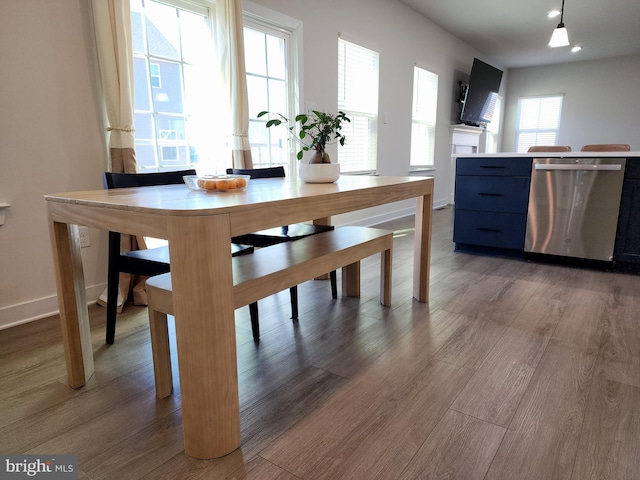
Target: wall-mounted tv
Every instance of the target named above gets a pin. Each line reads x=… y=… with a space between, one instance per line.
x=481 y=94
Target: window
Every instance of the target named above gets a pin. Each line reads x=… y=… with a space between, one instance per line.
x=268 y=86
x=358 y=98
x=175 y=121
x=154 y=73
x=538 y=121
x=493 y=128
x=423 y=126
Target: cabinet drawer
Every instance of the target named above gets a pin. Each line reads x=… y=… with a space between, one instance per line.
x=492 y=194
x=504 y=230
x=493 y=166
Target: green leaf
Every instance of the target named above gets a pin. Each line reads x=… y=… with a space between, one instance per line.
x=263 y=113
x=300 y=155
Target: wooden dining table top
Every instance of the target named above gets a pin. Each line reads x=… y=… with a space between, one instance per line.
x=287 y=201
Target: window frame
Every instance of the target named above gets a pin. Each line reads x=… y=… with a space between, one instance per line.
x=537 y=131
x=198 y=7
x=492 y=132
x=415 y=120
x=372 y=115
x=256 y=16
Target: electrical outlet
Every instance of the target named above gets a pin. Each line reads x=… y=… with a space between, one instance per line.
x=85 y=238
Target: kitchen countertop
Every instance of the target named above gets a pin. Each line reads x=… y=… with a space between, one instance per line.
x=576 y=154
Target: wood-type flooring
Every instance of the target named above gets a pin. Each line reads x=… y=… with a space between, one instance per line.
x=513 y=371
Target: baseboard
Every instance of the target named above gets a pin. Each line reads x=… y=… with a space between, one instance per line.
x=26 y=312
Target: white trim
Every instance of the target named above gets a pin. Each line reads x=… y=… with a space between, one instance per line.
x=14 y=315
x=293 y=28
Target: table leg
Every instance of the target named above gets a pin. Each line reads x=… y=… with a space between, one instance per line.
x=386 y=259
x=202 y=279
x=72 y=301
x=422 y=248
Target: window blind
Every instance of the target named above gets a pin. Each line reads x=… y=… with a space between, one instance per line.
x=538 y=121
x=358 y=72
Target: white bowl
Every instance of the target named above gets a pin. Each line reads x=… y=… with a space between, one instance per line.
x=319 y=172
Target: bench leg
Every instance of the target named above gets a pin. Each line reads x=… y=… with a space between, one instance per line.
x=385 y=277
x=351 y=280
x=161 y=353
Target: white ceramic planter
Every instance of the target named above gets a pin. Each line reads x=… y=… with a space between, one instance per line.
x=319 y=172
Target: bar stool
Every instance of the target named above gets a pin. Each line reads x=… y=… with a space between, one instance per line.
x=549 y=148
x=606 y=147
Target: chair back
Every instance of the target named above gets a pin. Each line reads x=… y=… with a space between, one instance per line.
x=550 y=148
x=269 y=172
x=125 y=180
x=606 y=147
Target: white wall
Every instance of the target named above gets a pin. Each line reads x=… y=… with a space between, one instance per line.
x=50 y=141
x=601 y=101
x=51 y=133
x=404 y=39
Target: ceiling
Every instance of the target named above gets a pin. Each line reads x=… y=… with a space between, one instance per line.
x=516 y=32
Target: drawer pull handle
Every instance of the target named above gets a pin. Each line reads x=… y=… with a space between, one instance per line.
x=492 y=166
x=490 y=194
x=492 y=230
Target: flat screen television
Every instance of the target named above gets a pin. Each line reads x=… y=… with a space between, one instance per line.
x=481 y=94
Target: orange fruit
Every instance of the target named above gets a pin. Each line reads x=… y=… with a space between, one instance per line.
x=241 y=183
x=200 y=183
x=222 y=185
x=209 y=185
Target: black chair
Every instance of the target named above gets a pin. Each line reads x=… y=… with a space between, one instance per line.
x=152 y=261
x=285 y=233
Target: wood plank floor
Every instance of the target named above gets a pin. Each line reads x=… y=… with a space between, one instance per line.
x=514 y=370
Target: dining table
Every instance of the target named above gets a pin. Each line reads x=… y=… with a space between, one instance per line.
x=198 y=226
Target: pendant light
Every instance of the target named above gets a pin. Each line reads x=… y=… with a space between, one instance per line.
x=560 y=36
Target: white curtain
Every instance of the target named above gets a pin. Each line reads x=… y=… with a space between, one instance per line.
x=230 y=48
x=112 y=29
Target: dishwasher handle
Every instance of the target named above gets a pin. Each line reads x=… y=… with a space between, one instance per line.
x=565 y=166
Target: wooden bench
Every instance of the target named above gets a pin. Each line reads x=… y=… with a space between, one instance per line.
x=272 y=269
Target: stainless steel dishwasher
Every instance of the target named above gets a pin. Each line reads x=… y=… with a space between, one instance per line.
x=573 y=207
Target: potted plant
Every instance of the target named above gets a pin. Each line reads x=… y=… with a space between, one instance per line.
x=314 y=133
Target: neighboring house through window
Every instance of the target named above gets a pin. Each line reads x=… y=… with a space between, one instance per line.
x=174 y=81
x=538 y=121
x=358 y=98
x=423 y=118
